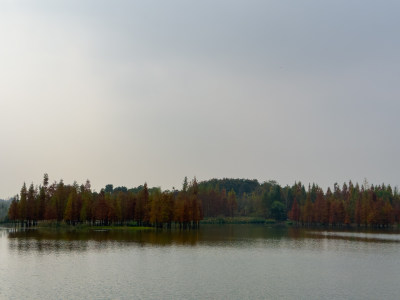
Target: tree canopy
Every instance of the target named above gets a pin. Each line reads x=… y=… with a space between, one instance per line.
x=366 y=205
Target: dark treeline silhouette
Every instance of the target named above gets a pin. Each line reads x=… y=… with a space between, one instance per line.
x=367 y=205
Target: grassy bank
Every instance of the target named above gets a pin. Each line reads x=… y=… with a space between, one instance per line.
x=240 y=220
x=62 y=226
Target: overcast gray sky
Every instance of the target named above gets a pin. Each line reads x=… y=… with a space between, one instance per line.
x=125 y=92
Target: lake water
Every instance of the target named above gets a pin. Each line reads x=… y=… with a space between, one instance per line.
x=214 y=262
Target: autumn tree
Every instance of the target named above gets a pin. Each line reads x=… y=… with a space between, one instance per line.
x=101 y=208
x=30 y=205
x=294 y=213
x=22 y=205
x=13 y=210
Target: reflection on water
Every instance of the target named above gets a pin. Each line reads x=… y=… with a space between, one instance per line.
x=215 y=262
x=209 y=235
x=364 y=236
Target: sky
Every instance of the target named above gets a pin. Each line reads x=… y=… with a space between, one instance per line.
x=127 y=92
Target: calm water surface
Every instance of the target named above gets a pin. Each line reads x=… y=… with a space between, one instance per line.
x=215 y=262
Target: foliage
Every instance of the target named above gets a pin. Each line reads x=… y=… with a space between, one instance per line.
x=218 y=200
x=77 y=205
x=278 y=211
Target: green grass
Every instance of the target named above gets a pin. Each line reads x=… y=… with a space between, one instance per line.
x=234 y=220
x=62 y=226
x=121 y=228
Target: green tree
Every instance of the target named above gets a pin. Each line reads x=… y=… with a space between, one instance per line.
x=70 y=214
x=269 y=197
x=278 y=211
x=109 y=189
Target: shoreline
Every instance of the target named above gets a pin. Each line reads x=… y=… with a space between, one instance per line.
x=207 y=221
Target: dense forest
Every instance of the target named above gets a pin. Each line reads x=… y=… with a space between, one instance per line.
x=365 y=205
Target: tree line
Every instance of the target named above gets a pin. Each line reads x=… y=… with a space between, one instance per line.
x=76 y=204
x=377 y=206
x=366 y=205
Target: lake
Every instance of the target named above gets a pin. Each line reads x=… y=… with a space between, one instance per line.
x=214 y=262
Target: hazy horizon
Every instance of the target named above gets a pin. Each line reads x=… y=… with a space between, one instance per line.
x=130 y=92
